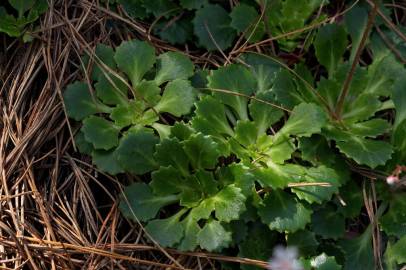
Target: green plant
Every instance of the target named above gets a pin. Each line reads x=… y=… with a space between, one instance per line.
x=118 y=110
x=216 y=25
x=28 y=11
x=261 y=154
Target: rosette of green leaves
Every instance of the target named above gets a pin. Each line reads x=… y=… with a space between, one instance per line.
x=28 y=11
x=239 y=115
x=355 y=128
x=190 y=180
x=115 y=115
x=218 y=161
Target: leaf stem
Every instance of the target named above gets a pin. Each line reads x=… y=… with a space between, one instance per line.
x=347 y=83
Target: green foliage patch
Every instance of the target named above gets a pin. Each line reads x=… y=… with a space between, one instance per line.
x=255 y=153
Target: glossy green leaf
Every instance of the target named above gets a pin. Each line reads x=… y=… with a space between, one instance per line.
x=135 y=58
x=104 y=54
x=367 y=152
x=177 y=157
x=330 y=45
x=263 y=114
x=149 y=92
x=135 y=151
x=139 y=202
x=102 y=133
x=106 y=161
x=83 y=146
x=263 y=67
x=212 y=27
x=370 y=128
x=245 y=19
x=229 y=203
x=178 y=98
x=191 y=229
x=305 y=120
x=167 y=232
x=211 y=117
x=173 y=65
x=359 y=252
x=283 y=213
x=111 y=90
x=213 y=236
x=316 y=193
x=356 y=21
x=237 y=80
x=80 y=103
x=202 y=151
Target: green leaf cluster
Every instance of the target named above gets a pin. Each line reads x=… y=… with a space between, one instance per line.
x=27 y=12
x=123 y=115
x=216 y=24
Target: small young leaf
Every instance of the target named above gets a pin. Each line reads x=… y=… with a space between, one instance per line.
x=138 y=200
x=283 y=213
x=211 y=26
x=135 y=151
x=178 y=98
x=102 y=133
x=213 y=236
x=135 y=58
x=173 y=65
